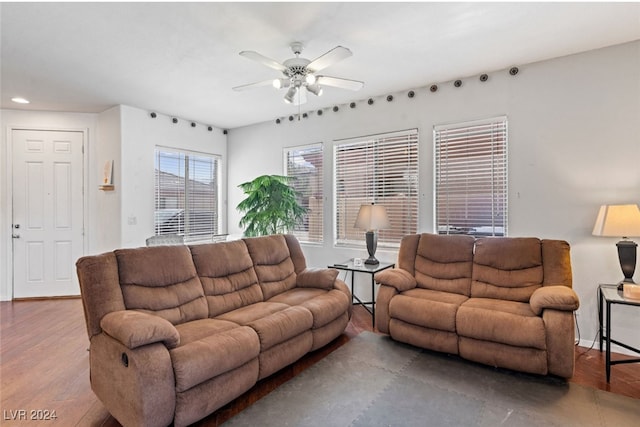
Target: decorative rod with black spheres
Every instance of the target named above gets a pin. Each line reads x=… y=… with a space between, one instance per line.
x=410 y=94
x=193 y=124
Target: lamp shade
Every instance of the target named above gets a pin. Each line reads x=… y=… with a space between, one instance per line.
x=372 y=217
x=618 y=221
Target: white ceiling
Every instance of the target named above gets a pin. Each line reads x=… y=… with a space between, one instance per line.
x=182 y=59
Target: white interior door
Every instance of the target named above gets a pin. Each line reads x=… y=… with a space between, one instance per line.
x=47 y=212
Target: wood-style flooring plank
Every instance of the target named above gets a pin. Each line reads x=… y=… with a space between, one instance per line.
x=44 y=364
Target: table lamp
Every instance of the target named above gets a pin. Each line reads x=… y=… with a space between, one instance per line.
x=372 y=218
x=621 y=221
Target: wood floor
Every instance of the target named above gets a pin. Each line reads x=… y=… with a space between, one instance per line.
x=44 y=366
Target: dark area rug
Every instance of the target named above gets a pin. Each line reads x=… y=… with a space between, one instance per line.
x=374 y=381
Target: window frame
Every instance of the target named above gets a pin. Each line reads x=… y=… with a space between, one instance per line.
x=186 y=159
x=499 y=172
x=381 y=189
x=300 y=234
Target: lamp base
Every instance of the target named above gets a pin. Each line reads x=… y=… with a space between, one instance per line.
x=371 y=261
x=627 y=257
x=623 y=282
x=372 y=244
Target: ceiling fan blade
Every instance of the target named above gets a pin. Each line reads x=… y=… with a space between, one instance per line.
x=254 y=85
x=340 y=83
x=271 y=63
x=336 y=54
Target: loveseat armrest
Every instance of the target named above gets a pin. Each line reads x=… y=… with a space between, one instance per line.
x=398 y=278
x=555 y=297
x=323 y=278
x=135 y=329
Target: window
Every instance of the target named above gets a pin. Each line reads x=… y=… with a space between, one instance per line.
x=380 y=169
x=304 y=165
x=186 y=194
x=471 y=178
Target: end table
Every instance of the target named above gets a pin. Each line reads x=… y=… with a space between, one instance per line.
x=610 y=295
x=348 y=266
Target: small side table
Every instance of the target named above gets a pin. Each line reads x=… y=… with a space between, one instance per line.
x=365 y=268
x=610 y=295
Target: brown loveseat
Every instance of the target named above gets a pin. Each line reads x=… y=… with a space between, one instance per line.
x=176 y=332
x=505 y=302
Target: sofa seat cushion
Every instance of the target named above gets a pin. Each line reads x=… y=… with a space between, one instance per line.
x=282 y=326
x=249 y=313
x=500 y=321
x=325 y=306
x=427 y=308
x=297 y=296
x=202 y=328
x=213 y=355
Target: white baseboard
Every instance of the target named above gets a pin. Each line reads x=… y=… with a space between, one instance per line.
x=587 y=343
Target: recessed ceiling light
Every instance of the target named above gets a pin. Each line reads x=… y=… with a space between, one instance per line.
x=19 y=100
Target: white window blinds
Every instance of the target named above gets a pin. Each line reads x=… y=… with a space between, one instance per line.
x=304 y=165
x=186 y=194
x=380 y=169
x=471 y=178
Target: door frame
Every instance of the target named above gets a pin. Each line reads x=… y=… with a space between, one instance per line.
x=9 y=194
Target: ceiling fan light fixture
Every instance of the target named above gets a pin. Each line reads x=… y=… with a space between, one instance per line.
x=280 y=83
x=310 y=79
x=300 y=73
x=290 y=95
x=315 y=89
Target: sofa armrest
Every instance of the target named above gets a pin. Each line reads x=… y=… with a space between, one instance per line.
x=135 y=329
x=555 y=297
x=398 y=278
x=322 y=278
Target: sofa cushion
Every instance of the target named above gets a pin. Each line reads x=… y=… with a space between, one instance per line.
x=508 y=268
x=227 y=275
x=327 y=307
x=427 y=308
x=323 y=278
x=198 y=329
x=161 y=280
x=213 y=355
x=249 y=313
x=443 y=263
x=272 y=263
x=500 y=321
x=282 y=326
x=297 y=296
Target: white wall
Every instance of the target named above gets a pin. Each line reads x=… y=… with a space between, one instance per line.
x=140 y=135
x=106 y=216
x=574 y=143
x=128 y=136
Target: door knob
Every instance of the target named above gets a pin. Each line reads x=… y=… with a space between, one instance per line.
x=15 y=236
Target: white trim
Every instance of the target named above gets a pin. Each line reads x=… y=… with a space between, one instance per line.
x=477 y=122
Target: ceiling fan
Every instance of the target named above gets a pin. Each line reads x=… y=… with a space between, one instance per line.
x=301 y=75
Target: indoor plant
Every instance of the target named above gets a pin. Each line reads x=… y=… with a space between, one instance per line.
x=271 y=206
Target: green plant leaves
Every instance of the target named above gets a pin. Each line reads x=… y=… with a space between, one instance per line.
x=271 y=206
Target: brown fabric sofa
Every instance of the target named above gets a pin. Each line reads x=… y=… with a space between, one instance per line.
x=176 y=332
x=504 y=302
